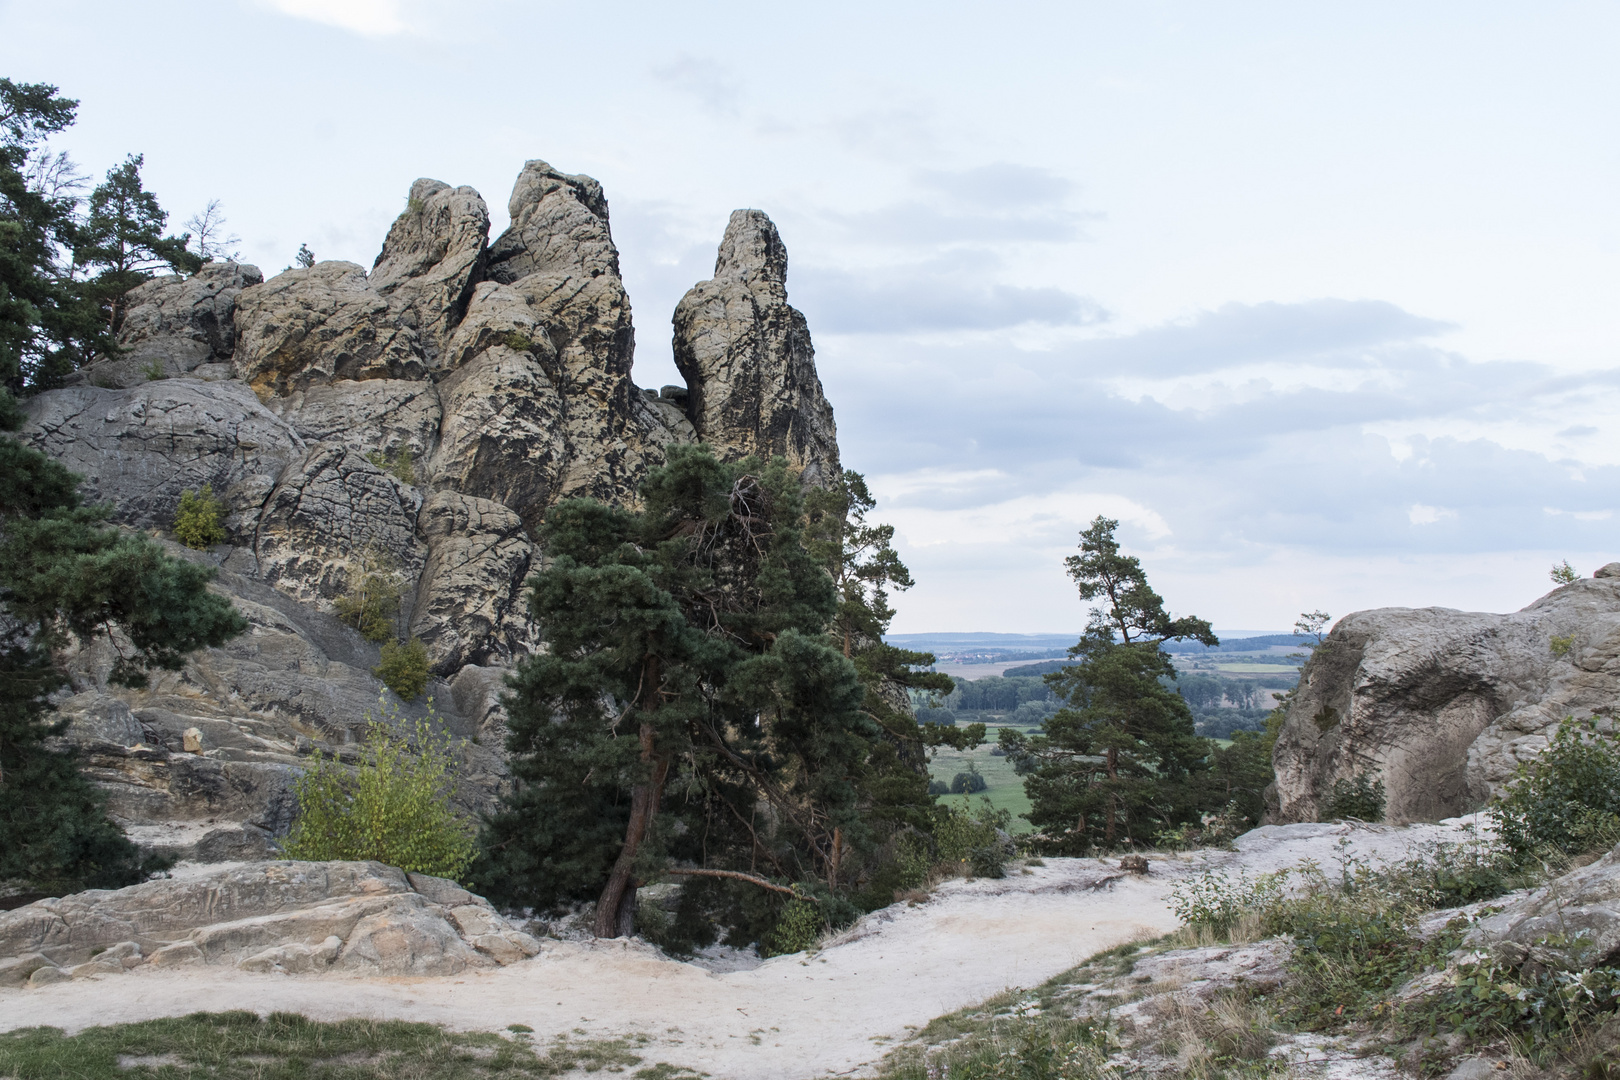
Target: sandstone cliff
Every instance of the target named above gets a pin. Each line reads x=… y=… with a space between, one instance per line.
x=1443 y=705
x=420 y=418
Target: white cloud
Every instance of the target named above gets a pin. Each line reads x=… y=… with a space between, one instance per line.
x=373 y=18
x=1429 y=515
x=1040 y=521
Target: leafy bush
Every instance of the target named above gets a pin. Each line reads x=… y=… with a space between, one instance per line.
x=197 y=524
x=796 y=930
x=404 y=668
x=372 y=599
x=1566 y=799
x=973 y=843
x=938 y=787
x=1564 y=574
x=1215 y=900
x=1484 y=999
x=1561 y=645
x=968 y=783
x=1361 y=797
x=154 y=370
x=394 y=808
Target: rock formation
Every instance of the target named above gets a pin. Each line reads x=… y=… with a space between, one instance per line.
x=747 y=359
x=1444 y=705
x=418 y=420
x=292 y=917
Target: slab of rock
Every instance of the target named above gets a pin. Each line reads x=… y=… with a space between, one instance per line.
x=747 y=357
x=177 y=324
x=318 y=325
x=1572 y=923
x=139 y=449
x=384 y=416
x=470 y=606
x=287 y=917
x=1444 y=705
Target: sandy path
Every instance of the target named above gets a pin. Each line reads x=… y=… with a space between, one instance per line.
x=788 y=1018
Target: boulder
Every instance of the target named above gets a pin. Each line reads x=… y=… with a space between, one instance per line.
x=280 y=917
x=177 y=324
x=1572 y=923
x=747 y=358
x=431 y=259
x=319 y=325
x=1442 y=706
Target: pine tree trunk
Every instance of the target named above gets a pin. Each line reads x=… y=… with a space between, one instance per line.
x=616 y=908
x=1112 y=758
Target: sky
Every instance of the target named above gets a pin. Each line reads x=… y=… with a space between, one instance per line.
x=1318 y=301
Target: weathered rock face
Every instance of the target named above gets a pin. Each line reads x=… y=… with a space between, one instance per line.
x=1443 y=705
x=293 y=917
x=420 y=419
x=747 y=359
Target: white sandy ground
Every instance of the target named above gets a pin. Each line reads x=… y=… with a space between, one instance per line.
x=832 y=1013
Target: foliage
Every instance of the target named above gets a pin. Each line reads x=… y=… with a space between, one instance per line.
x=372 y=599
x=305 y=257
x=968 y=783
x=196 y=523
x=798 y=928
x=286 y=1046
x=122 y=235
x=1564 y=574
x=1567 y=798
x=401 y=463
x=1484 y=999
x=686 y=679
x=973 y=843
x=395 y=807
x=1216 y=900
x=404 y=668
x=1561 y=644
x=64 y=573
x=1361 y=797
x=1123 y=760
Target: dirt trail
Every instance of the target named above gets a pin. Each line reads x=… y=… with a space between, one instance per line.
x=789 y=1018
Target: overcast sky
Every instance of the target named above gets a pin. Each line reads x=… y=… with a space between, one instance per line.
x=1319 y=300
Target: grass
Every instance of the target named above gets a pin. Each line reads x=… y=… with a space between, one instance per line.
x=1006 y=790
x=287 y=1046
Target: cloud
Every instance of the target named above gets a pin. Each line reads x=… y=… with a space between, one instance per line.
x=915 y=298
x=1579 y=431
x=371 y=18
x=708 y=82
x=1429 y=515
x=1002 y=182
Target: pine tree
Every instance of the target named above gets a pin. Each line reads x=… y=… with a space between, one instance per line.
x=48 y=325
x=687 y=684
x=122 y=238
x=64 y=572
x=1122 y=760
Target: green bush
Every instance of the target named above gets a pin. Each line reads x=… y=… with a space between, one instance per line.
x=154 y=371
x=196 y=524
x=404 y=668
x=972 y=843
x=1361 y=797
x=1566 y=799
x=968 y=783
x=372 y=599
x=797 y=929
x=395 y=807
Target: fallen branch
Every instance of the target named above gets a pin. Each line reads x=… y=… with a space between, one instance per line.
x=736 y=875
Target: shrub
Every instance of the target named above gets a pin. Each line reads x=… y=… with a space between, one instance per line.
x=395 y=807
x=938 y=787
x=968 y=783
x=196 y=524
x=1214 y=900
x=1564 y=574
x=1361 y=797
x=372 y=599
x=154 y=371
x=404 y=668
x=796 y=930
x=1561 y=645
x=1567 y=798
x=973 y=843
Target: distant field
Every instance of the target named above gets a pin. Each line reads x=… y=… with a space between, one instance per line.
x=1006 y=790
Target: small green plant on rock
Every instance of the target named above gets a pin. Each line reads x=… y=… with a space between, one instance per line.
x=401 y=463
x=1561 y=645
x=1564 y=574
x=372 y=598
x=404 y=668
x=154 y=370
x=395 y=807
x=196 y=523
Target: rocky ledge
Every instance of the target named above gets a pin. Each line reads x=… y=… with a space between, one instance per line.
x=286 y=917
